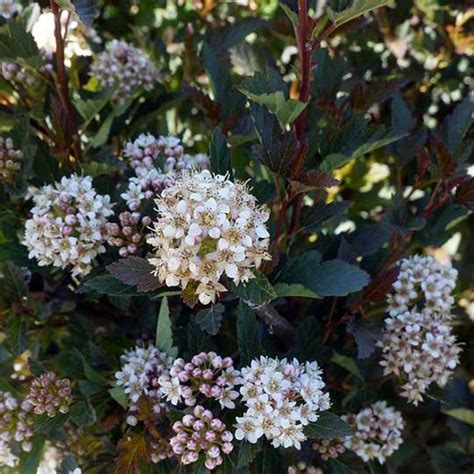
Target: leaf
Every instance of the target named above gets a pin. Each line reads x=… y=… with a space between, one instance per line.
x=219 y=153
x=346 y=463
x=365 y=338
x=132 y=449
x=87 y=10
x=247 y=453
x=255 y=292
x=465 y=194
x=377 y=290
x=327 y=426
x=13 y=283
x=29 y=461
x=446 y=459
x=17 y=335
x=210 y=319
x=247 y=334
x=353 y=9
x=135 y=271
x=379 y=139
x=457 y=124
x=83 y=413
x=164 y=333
x=292 y=15
x=106 y=285
x=347 y=363
x=320 y=213
x=462 y=414
x=376 y=92
x=119 y=395
x=283 y=290
x=89 y=108
x=47 y=425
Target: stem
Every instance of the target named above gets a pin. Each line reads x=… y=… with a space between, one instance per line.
x=277 y=323
x=62 y=79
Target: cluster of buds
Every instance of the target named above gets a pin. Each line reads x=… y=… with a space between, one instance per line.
x=377 y=432
x=207 y=373
x=9 y=8
x=127 y=235
x=281 y=397
x=160 y=449
x=123 y=68
x=13 y=72
x=423 y=283
x=329 y=448
x=139 y=376
x=208 y=227
x=10 y=160
x=68 y=224
x=201 y=432
x=48 y=394
x=417 y=342
x=303 y=468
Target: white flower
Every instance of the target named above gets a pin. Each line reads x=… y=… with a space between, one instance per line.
x=141 y=376
x=377 y=433
x=122 y=68
x=206 y=229
x=281 y=397
x=67 y=228
x=9 y=8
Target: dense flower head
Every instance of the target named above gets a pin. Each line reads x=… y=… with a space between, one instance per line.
x=423 y=281
x=377 y=432
x=156 y=162
x=418 y=347
x=48 y=394
x=128 y=233
x=139 y=377
x=329 y=448
x=304 y=468
x=207 y=227
x=10 y=159
x=7 y=457
x=123 y=68
x=207 y=374
x=9 y=8
x=8 y=410
x=201 y=432
x=160 y=449
x=281 y=398
x=68 y=228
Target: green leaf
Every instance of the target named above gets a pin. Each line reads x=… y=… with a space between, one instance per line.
x=13 y=283
x=87 y=10
x=106 y=285
x=17 y=335
x=347 y=363
x=292 y=15
x=378 y=140
x=29 y=461
x=248 y=453
x=353 y=9
x=219 y=153
x=457 y=124
x=210 y=319
x=247 y=334
x=256 y=291
x=119 y=395
x=284 y=290
x=328 y=425
x=50 y=425
x=462 y=414
x=164 y=333
x=83 y=413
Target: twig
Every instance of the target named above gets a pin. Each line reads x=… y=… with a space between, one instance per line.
x=278 y=324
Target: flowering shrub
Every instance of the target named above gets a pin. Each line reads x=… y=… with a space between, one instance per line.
x=236 y=237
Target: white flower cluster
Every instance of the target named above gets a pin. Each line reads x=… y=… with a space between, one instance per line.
x=417 y=343
x=9 y=8
x=281 y=397
x=419 y=348
x=424 y=282
x=207 y=227
x=139 y=377
x=377 y=432
x=123 y=68
x=68 y=224
x=10 y=160
x=156 y=161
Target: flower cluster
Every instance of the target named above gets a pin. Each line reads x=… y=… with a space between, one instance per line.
x=156 y=161
x=123 y=68
x=10 y=159
x=48 y=394
x=207 y=227
x=207 y=373
x=281 y=397
x=303 y=468
x=128 y=233
x=377 y=432
x=201 y=432
x=417 y=343
x=139 y=376
x=329 y=448
x=9 y=8
x=424 y=282
x=419 y=348
x=68 y=224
